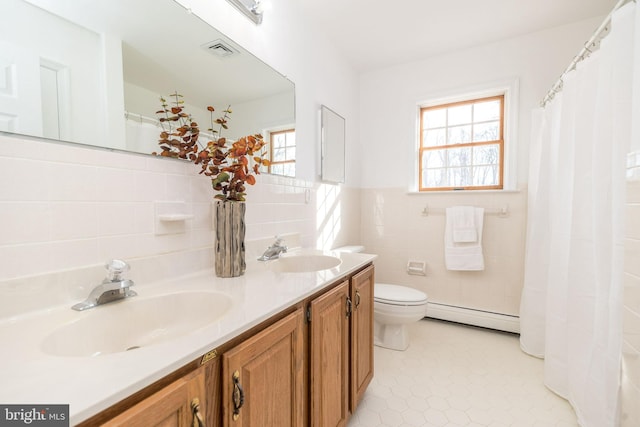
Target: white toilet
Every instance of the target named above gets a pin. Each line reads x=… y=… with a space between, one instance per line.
x=394 y=307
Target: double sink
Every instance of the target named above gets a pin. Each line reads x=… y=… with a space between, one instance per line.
x=132 y=323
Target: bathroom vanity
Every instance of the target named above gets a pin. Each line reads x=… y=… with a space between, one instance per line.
x=290 y=349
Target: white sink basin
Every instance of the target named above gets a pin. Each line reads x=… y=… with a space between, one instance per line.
x=301 y=263
x=136 y=322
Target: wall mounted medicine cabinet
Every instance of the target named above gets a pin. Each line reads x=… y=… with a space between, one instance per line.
x=332 y=143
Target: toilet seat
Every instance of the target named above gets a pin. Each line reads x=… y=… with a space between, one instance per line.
x=394 y=307
x=398 y=295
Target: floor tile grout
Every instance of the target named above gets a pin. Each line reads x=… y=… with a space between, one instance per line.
x=457 y=375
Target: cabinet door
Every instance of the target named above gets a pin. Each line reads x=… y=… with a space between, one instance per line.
x=362 y=285
x=179 y=404
x=262 y=381
x=330 y=357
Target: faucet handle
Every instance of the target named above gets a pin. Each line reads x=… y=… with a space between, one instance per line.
x=115 y=268
x=279 y=240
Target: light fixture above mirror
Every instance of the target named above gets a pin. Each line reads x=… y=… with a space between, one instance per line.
x=252 y=9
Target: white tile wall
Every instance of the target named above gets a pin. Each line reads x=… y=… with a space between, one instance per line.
x=394 y=228
x=630 y=392
x=68 y=206
x=337 y=216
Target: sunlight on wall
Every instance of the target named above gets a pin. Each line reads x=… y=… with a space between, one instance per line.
x=378 y=215
x=328 y=218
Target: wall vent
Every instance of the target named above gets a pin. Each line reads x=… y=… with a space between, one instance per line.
x=220 y=48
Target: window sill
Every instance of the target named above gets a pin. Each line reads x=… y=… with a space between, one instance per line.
x=468 y=192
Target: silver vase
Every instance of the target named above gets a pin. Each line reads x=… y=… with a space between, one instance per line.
x=229 y=245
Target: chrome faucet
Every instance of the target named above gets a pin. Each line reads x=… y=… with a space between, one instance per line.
x=112 y=288
x=273 y=251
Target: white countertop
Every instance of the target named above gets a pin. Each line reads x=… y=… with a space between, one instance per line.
x=92 y=384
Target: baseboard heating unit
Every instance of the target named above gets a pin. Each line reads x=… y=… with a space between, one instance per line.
x=469 y=316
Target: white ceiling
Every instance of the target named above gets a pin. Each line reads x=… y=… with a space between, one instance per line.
x=374 y=34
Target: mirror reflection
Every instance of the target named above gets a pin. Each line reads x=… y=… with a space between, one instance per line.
x=94 y=73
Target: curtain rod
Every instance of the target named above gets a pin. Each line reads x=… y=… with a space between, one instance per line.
x=152 y=120
x=589 y=47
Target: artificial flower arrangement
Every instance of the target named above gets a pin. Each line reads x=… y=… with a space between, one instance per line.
x=230 y=165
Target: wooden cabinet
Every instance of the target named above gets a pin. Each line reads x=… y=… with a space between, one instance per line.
x=329 y=354
x=362 y=286
x=262 y=378
x=281 y=373
x=341 y=349
x=180 y=404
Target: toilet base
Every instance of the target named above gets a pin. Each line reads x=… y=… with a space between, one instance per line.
x=391 y=336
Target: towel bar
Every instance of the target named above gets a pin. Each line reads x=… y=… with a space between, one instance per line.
x=501 y=212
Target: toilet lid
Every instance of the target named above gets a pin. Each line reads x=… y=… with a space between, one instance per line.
x=399 y=295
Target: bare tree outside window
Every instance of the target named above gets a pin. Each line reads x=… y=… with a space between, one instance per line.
x=283 y=153
x=462 y=145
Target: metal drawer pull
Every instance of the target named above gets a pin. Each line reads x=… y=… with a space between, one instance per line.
x=238 y=395
x=357 y=299
x=197 y=416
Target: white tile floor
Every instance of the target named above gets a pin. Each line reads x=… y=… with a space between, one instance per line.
x=454 y=375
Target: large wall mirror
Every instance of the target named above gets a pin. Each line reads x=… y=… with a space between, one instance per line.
x=332 y=143
x=92 y=73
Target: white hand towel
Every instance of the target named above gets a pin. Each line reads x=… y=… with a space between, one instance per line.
x=464 y=224
x=463 y=256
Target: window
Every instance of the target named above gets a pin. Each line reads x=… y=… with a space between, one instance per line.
x=462 y=145
x=283 y=152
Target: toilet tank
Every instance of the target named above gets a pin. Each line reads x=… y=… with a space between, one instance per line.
x=352 y=249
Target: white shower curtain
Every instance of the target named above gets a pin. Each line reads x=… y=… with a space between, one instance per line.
x=142 y=137
x=571 y=305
